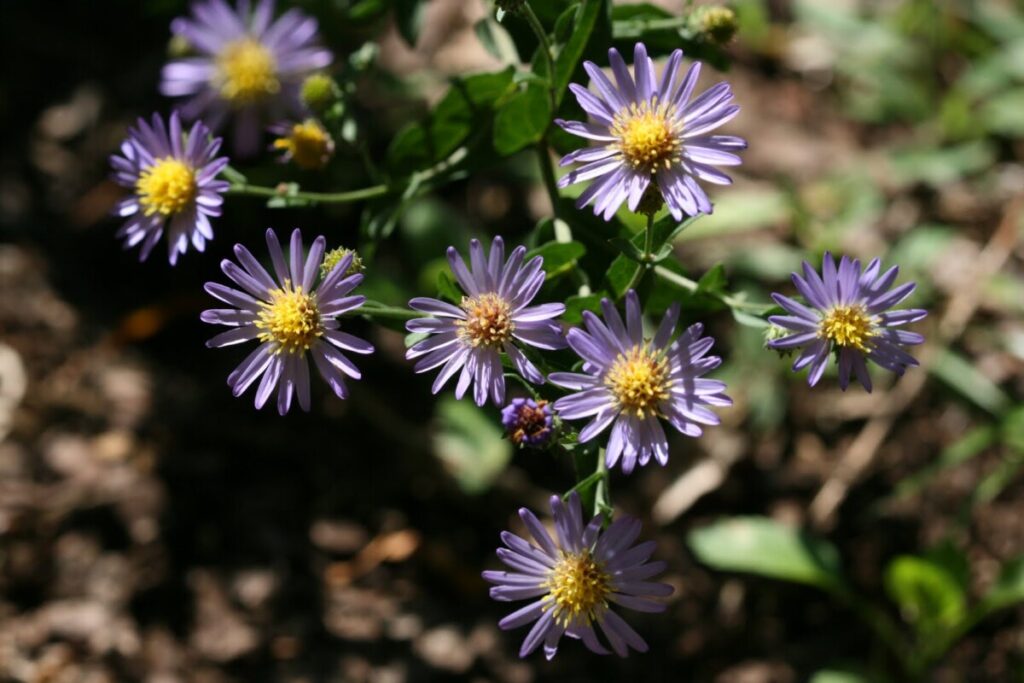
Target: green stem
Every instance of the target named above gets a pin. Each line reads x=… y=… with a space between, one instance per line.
x=240 y=187
x=319 y=197
x=729 y=300
x=548 y=174
x=526 y=385
x=642 y=268
x=375 y=309
x=602 y=494
x=545 y=48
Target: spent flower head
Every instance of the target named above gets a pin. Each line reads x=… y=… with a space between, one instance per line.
x=576 y=576
x=291 y=316
x=632 y=383
x=175 y=190
x=493 y=317
x=847 y=313
x=528 y=422
x=248 y=65
x=650 y=132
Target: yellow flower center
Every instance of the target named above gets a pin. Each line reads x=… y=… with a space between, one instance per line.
x=848 y=326
x=291 y=319
x=309 y=145
x=578 y=586
x=488 y=321
x=639 y=381
x=167 y=187
x=246 y=72
x=648 y=135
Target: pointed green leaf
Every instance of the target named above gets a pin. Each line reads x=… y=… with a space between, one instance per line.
x=759 y=545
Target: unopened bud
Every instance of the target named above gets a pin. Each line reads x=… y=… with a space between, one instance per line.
x=334 y=257
x=715 y=22
x=319 y=91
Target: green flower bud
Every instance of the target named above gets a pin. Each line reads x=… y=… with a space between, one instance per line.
x=716 y=23
x=775 y=332
x=334 y=257
x=178 y=46
x=651 y=202
x=319 y=91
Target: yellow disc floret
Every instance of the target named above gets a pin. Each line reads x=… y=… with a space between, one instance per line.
x=167 y=187
x=246 y=72
x=291 y=319
x=848 y=326
x=308 y=144
x=639 y=380
x=488 y=321
x=578 y=587
x=648 y=135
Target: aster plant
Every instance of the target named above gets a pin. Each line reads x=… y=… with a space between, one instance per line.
x=174 y=187
x=631 y=383
x=292 y=317
x=847 y=314
x=574 y=578
x=650 y=132
x=493 y=317
x=654 y=142
x=248 y=65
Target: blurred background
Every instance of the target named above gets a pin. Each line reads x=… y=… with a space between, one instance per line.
x=153 y=528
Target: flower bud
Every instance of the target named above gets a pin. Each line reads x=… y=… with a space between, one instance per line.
x=319 y=91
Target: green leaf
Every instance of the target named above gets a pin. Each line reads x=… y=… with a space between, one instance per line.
x=470 y=445
x=749 y=320
x=762 y=546
x=463 y=110
x=447 y=289
x=1002 y=113
x=939 y=167
x=840 y=676
x=628 y=249
x=409 y=18
x=930 y=598
x=1008 y=589
x=713 y=282
x=963 y=449
x=964 y=377
x=575 y=305
x=569 y=58
x=496 y=40
x=522 y=119
x=559 y=257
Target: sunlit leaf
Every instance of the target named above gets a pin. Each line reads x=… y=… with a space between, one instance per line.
x=759 y=545
x=929 y=597
x=470 y=445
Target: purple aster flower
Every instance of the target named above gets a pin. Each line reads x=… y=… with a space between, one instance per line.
x=649 y=130
x=630 y=383
x=492 y=316
x=574 y=577
x=291 y=317
x=248 y=65
x=848 y=312
x=175 y=188
x=528 y=422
